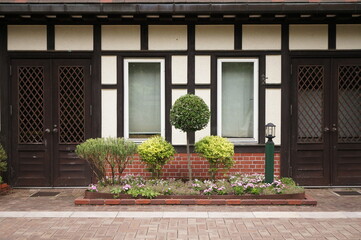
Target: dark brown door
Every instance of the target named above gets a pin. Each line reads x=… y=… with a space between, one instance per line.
x=326 y=121
x=50 y=116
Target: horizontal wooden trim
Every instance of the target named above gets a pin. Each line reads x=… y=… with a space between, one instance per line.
x=179 y=8
x=109 y=86
x=273 y=85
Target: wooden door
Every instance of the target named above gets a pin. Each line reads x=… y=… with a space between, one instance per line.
x=50 y=116
x=326 y=113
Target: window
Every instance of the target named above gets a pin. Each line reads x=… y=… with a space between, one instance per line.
x=238 y=99
x=143 y=98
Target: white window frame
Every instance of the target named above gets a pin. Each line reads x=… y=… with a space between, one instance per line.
x=126 y=94
x=255 y=62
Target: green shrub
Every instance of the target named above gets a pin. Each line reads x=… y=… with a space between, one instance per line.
x=3 y=163
x=116 y=152
x=189 y=114
x=218 y=151
x=1 y=180
x=155 y=153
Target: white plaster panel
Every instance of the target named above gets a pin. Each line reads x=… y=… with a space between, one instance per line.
x=273 y=111
x=179 y=69
x=348 y=36
x=205 y=94
x=202 y=69
x=214 y=37
x=27 y=37
x=70 y=37
x=109 y=113
x=178 y=137
x=167 y=37
x=261 y=37
x=120 y=37
x=273 y=69
x=308 y=37
x=109 y=70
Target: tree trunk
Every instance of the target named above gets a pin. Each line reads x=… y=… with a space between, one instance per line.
x=189 y=157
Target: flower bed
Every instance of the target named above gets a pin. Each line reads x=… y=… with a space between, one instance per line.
x=237 y=189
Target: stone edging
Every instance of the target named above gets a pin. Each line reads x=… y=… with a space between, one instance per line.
x=308 y=200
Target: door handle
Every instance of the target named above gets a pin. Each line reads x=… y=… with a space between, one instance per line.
x=55 y=130
x=334 y=129
x=47 y=130
x=326 y=129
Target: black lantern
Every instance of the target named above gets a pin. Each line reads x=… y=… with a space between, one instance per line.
x=270 y=130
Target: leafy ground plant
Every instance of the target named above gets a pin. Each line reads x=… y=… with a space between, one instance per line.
x=238 y=184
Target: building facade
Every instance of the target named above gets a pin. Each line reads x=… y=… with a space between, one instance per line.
x=80 y=69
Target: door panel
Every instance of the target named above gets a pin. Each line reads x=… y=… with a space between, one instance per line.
x=51 y=100
x=326 y=132
x=309 y=155
x=72 y=125
x=31 y=115
x=347 y=124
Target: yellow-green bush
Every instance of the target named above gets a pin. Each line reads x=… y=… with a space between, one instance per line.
x=155 y=153
x=218 y=151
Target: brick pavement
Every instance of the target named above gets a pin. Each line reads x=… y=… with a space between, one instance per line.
x=193 y=227
x=177 y=228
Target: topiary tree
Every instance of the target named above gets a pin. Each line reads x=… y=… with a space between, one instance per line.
x=155 y=153
x=218 y=151
x=3 y=163
x=116 y=152
x=189 y=114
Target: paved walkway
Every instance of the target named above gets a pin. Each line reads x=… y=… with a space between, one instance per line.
x=25 y=217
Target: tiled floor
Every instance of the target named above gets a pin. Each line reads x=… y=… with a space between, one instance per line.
x=25 y=217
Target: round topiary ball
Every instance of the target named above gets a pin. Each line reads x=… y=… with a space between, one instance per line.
x=189 y=113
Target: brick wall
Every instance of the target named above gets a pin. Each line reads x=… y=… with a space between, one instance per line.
x=177 y=168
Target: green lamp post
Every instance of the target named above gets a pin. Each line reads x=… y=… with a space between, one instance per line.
x=270 y=150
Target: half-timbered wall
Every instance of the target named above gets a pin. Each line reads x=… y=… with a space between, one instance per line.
x=190 y=53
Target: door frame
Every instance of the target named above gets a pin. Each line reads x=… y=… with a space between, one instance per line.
x=95 y=93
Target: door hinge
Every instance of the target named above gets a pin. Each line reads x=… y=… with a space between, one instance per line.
x=90 y=70
x=291 y=69
x=10 y=69
x=11 y=110
x=291 y=110
x=91 y=110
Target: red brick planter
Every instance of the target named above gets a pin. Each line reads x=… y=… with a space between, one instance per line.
x=4 y=188
x=94 y=198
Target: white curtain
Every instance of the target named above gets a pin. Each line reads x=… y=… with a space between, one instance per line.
x=144 y=99
x=237 y=99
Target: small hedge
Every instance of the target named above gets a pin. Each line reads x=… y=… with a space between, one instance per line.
x=155 y=153
x=218 y=151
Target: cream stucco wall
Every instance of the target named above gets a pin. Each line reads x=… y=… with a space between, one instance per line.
x=109 y=69
x=166 y=37
x=27 y=37
x=205 y=94
x=273 y=69
x=70 y=37
x=308 y=37
x=273 y=111
x=348 y=36
x=214 y=37
x=120 y=37
x=202 y=69
x=109 y=113
x=179 y=69
x=178 y=137
x=261 y=37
